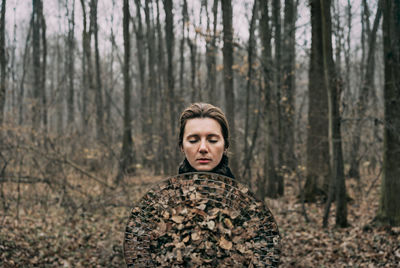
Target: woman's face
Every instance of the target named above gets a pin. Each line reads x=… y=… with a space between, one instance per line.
x=203 y=143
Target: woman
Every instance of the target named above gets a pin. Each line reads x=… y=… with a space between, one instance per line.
x=204 y=139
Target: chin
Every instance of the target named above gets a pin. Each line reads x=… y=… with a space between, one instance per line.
x=202 y=168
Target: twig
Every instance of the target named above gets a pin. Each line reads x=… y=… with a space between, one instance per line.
x=373 y=183
x=302 y=198
x=70 y=163
x=75 y=166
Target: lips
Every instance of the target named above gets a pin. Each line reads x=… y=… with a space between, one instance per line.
x=204 y=160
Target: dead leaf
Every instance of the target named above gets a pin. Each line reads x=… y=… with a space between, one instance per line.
x=225 y=244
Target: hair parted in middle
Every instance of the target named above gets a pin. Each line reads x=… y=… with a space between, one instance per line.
x=204 y=110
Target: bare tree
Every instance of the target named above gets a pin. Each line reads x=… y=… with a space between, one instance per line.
x=36 y=51
x=99 y=88
x=3 y=61
x=170 y=40
x=389 y=212
x=71 y=63
x=141 y=56
x=288 y=83
x=151 y=86
x=227 y=52
x=268 y=186
x=211 y=54
x=250 y=57
x=44 y=67
x=318 y=170
x=366 y=90
x=276 y=15
x=161 y=157
x=87 y=67
x=333 y=86
x=185 y=18
x=127 y=154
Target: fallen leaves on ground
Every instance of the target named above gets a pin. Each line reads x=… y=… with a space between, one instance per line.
x=55 y=237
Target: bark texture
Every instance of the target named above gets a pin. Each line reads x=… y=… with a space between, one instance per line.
x=389 y=211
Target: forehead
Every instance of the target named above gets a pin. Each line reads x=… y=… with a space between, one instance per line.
x=202 y=126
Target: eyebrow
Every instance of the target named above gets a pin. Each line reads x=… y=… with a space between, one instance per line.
x=208 y=136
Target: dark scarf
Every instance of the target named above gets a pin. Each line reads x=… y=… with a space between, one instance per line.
x=221 y=169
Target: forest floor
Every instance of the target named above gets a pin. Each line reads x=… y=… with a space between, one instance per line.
x=51 y=234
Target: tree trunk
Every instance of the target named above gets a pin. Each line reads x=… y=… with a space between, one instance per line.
x=269 y=161
x=332 y=84
x=151 y=87
x=71 y=62
x=43 y=69
x=170 y=40
x=210 y=58
x=213 y=57
x=249 y=87
x=182 y=55
x=278 y=86
x=2 y=62
x=193 y=52
x=87 y=37
x=127 y=154
x=58 y=94
x=98 y=90
x=110 y=86
x=367 y=87
x=289 y=84
x=318 y=171
x=140 y=42
x=161 y=159
x=389 y=210
x=227 y=51
x=36 y=64
x=85 y=82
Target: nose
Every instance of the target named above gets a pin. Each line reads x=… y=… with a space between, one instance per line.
x=203 y=147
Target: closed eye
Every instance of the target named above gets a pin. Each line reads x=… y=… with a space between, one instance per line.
x=213 y=141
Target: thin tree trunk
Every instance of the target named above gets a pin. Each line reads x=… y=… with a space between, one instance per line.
x=365 y=92
x=127 y=154
x=140 y=47
x=151 y=87
x=193 y=51
x=85 y=82
x=87 y=39
x=250 y=82
x=269 y=161
x=99 y=88
x=110 y=87
x=212 y=58
x=58 y=92
x=161 y=159
x=36 y=51
x=43 y=70
x=289 y=83
x=71 y=62
x=333 y=87
x=227 y=51
x=182 y=54
x=278 y=83
x=170 y=40
x=13 y=66
x=2 y=62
